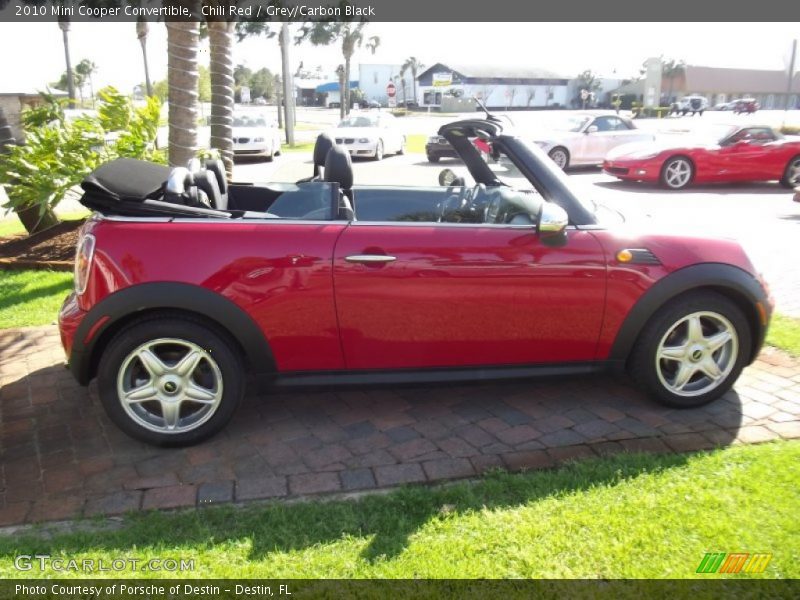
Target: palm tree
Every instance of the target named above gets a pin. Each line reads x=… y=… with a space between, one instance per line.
x=351 y=36
x=84 y=70
x=64 y=24
x=142 y=31
x=247 y=29
x=414 y=65
x=183 y=39
x=220 y=35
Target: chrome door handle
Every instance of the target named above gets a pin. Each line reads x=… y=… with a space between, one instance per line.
x=370 y=258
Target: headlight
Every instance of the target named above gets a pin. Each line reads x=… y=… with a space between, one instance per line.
x=258 y=139
x=644 y=155
x=363 y=140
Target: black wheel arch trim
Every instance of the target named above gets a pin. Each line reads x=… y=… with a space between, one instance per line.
x=123 y=305
x=739 y=285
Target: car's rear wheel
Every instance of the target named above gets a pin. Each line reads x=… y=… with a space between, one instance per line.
x=560 y=156
x=379 y=150
x=170 y=381
x=402 y=149
x=791 y=175
x=434 y=158
x=692 y=350
x=677 y=173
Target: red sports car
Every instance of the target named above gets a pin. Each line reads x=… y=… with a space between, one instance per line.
x=183 y=283
x=736 y=153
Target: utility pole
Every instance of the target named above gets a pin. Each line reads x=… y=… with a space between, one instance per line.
x=288 y=92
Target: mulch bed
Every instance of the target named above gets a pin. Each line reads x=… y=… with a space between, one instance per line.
x=53 y=248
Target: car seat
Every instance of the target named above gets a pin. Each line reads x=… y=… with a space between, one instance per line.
x=321 y=146
x=339 y=169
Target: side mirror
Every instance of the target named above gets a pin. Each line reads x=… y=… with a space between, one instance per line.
x=552 y=224
x=592 y=129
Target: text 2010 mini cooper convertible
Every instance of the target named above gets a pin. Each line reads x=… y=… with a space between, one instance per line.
x=181 y=287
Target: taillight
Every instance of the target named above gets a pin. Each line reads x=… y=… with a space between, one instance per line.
x=83 y=262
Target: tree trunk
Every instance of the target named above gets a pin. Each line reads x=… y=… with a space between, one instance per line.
x=33 y=221
x=346 y=102
x=148 y=84
x=64 y=24
x=182 y=76
x=341 y=94
x=220 y=36
x=414 y=84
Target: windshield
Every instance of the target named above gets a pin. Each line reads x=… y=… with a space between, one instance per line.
x=248 y=121
x=573 y=123
x=359 y=121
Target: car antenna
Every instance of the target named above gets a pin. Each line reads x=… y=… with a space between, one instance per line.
x=490 y=116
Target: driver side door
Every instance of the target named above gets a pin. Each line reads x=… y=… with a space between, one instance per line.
x=426 y=294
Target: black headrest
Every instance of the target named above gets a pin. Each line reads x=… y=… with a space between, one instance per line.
x=217 y=167
x=338 y=167
x=323 y=144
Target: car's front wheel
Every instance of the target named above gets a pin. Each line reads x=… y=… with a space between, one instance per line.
x=434 y=158
x=677 y=173
x=560 y=156
x=692 y=350
x=170 y=381
x=379 y=150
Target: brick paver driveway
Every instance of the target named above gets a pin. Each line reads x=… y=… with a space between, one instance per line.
x=62 y=458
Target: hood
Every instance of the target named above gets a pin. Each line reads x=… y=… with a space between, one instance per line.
x=354 y=132
x=250 y=132
x=636 y=150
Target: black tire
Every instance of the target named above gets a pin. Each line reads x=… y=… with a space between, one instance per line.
x=434 y=158
x=644 y=368
x=791 y=174
x=554 y=153
x=220 y=351
x=669 y=163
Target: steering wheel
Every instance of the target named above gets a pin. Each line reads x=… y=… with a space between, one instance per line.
x=454 y=203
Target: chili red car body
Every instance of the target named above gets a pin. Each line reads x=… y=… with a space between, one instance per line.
x=370 y=300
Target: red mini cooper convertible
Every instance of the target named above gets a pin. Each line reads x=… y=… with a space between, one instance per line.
x=185 y=283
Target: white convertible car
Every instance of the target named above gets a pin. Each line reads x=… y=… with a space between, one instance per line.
x=585 y=138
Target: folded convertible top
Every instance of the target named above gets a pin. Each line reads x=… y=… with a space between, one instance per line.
x=127 y=179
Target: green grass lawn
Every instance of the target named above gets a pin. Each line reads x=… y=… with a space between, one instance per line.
x=11 y=225
x=31 y=297
x=624 y=516
x=304 y=147
x=784 y=333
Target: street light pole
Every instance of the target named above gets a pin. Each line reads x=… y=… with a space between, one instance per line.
x=790 y=80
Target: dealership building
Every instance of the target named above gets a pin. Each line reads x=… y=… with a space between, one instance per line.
x=495 y=86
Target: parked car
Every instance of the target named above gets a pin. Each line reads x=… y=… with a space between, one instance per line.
x=723 y=106
x=744 y=105
x=437 y=148
x=369 y=104
x=691 y=104
x=751 y=153
x=255 y=134
x=586 y=138
x=370 y=135
x=326 y=281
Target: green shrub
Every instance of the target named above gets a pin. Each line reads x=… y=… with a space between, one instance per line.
x=59 y=153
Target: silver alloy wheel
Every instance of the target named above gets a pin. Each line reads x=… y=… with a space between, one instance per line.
x=697 y=353
x=379 y=150
x=793 y=177
x=559 y=157
x=678 y=173
x=169 y=385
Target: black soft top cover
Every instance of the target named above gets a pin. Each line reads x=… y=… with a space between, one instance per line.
x=127 y=179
